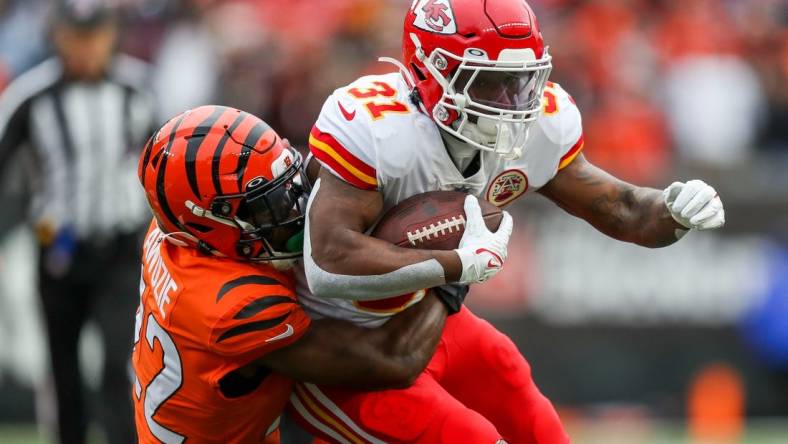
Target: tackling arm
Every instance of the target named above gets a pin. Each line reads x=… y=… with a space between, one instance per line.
x=614 y=207
x=335 y=352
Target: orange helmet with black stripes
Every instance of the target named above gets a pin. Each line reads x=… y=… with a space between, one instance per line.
x=222 y=180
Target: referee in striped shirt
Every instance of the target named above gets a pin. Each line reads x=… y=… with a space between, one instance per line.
x=81 y=117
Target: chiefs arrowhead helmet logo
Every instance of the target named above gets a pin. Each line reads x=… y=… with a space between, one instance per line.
x=435 y=16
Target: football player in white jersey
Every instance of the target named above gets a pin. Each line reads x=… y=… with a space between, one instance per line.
x=469 y=109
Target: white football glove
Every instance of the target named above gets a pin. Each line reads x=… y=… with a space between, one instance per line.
x=481 y=251
x=694 y=205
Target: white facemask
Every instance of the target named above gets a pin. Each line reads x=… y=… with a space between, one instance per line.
x=491 y=133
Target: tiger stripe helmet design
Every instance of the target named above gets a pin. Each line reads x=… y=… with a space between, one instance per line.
x=221 y=179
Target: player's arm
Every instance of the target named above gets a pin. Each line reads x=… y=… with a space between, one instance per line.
x=339 y=216
x=336 y=352
x=342 y=261
x=645 y=216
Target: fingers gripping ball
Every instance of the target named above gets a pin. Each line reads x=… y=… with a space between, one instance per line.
x=482 y=251
x=435 y=220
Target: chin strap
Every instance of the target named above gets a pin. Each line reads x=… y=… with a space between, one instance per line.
x=419 y=55
x=173 y=238
x=191 y=241
x=405 y=73
x=408 y=79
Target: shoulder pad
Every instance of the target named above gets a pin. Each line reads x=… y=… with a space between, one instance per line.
x=255 y=313
x=344 y=136
x=561 y=122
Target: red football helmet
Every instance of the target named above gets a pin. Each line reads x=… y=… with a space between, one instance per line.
x=479 y=67
x=222 y=180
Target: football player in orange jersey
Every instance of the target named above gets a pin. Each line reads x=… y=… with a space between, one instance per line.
x=219 y=333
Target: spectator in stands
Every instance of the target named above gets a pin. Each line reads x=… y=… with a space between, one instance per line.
x=22 y=41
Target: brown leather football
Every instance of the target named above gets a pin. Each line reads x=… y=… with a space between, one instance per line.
x=434 y=221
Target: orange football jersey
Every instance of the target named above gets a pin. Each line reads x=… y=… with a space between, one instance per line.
x=199 y=319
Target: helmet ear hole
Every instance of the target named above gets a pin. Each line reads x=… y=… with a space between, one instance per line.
x=221 y=208
x=244 y=250
x=242 y=213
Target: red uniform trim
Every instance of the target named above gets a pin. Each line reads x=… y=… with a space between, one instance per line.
x=567 y=158
x=352 y=169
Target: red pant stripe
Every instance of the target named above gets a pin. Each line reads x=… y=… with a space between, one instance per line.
x=322 y=420
x=322 y=414
x=337 y=413
x=312 y=424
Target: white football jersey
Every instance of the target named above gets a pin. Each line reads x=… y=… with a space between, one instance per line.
x=371 y=135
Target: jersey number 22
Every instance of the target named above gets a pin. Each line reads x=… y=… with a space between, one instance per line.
x=166 y=382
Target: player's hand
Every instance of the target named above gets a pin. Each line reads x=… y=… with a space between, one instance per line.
x=694 y=205
x=481 y=251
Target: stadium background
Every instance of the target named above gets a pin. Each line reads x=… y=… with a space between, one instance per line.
x=685 y=344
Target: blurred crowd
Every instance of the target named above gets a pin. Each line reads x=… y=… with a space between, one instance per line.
x=698 y=79
x=658 y=81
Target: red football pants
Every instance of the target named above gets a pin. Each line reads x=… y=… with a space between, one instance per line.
x=476 y=389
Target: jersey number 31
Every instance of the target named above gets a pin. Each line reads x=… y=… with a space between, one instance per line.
x=377 y=108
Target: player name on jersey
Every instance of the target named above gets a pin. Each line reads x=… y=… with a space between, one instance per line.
x=161 y=282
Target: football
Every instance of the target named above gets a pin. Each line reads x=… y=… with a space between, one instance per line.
x=433 y=221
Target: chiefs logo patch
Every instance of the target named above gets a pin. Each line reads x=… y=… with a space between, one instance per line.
x=507 y=187
x=434 y=16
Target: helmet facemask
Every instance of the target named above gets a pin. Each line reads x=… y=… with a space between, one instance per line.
x=495 y=101
x=269 y=215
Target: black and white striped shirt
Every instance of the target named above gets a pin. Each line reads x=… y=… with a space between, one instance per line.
x=86 y=138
